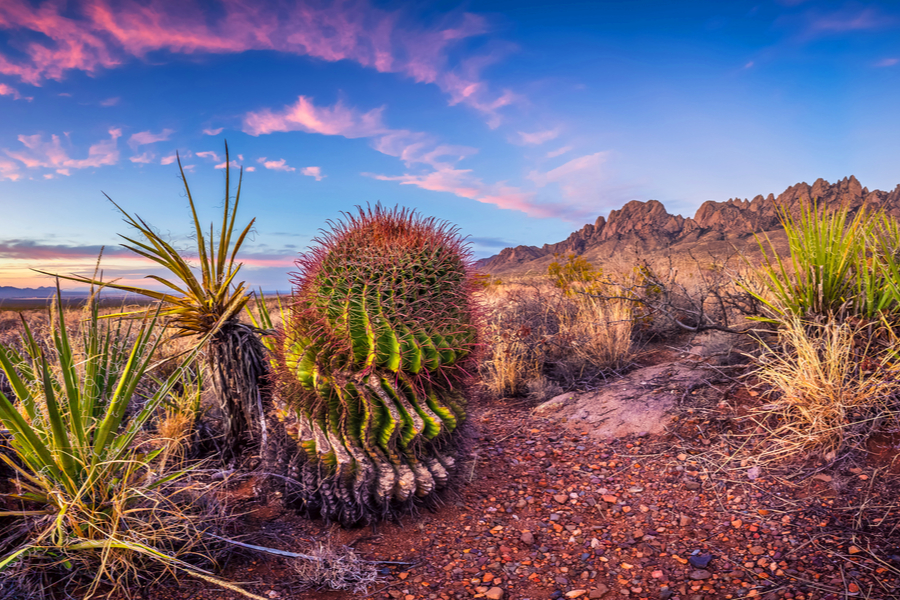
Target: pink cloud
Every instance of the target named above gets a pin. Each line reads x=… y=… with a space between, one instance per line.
x=579 y=179
x=303 y=115
x=6 y=90
x=462 y=183
x=52 y=155
x=210 y=155
x=559 y=152
x=888 y=62
x=313 y=172
x=538 y=137
x=275 y=165
x=9 y=170
x=146 y=137
x=216 y=131
x=145 y=158
x=103 y=34
x=110 y=101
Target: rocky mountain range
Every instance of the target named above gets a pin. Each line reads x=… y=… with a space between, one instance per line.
x=647 y=230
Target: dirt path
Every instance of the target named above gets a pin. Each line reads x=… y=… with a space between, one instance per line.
x=553 y=512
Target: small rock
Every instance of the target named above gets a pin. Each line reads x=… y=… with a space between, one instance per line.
x=576 y=593
x=665 y=593
x=598 y=592
x=527 y=538
x=685 y=520
x=494 y=593
x=700 y=561
x=609 y=498
x=853 y=550
x=700 y=574
x=822 y=477
x=692 y=485
x=757 y=550
x=554 y=516
x=561 y=498
x=682 y=457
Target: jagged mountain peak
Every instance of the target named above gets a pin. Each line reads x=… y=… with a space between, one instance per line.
x=647 y=227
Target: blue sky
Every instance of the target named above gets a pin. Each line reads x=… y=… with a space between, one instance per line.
x=517 y=121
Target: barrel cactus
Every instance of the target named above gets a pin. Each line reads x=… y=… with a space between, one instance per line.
x=374 y=363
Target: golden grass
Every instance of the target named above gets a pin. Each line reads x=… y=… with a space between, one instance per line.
x=831 y=386
x=539 y=337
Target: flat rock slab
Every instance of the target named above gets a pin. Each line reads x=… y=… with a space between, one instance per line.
x=640 y=402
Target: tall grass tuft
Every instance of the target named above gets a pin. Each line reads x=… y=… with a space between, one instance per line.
x=95 y=504
x=832 y=385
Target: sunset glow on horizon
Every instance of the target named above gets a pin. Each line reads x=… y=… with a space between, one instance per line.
x=518 y=122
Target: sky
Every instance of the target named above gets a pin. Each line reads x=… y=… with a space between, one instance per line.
x=518 y=122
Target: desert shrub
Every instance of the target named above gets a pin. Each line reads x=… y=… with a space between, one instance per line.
x=541 y=338
x=98 y=505
x=831 y=374
x=831 y=385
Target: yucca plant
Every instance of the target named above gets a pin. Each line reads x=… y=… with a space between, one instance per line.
x=208 y=306
x=93 y=500
x=374 y=363
x=839 y=266
x=819 y=278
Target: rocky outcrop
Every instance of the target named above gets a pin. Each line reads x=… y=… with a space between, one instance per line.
x=647 y=228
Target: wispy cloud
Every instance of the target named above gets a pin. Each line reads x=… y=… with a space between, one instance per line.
x=147 y=137
x=847 y=19
x=888 y=62
x=145 y=158
x=215 y=131
x=210 y=154
x=275 y=165
x=538 y=137
x=313 y=172
x=105 y=34
x=9 y=170
x=52 y=155
x=110 y=101
x=171 y=158
x=462 y=183
x=304 y=115
x=559 y=151
x=579 y=179
x=6 y=90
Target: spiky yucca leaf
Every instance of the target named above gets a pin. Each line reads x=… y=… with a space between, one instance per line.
x=209 y=306
x=374 y=360
x=195 y=305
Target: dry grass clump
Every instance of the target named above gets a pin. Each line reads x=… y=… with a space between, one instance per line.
x=831 y=386
x=541 y=338
x=336 y=568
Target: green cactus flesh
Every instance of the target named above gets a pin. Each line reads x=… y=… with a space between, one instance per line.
x=374 y=361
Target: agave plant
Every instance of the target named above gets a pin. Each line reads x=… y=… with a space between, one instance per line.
x=93 y=499
x=209 y=307
x=374 y=361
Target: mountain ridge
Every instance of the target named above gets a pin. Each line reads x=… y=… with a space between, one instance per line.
x=646 y=227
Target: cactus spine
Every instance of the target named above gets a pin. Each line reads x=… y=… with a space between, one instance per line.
x=375 y=360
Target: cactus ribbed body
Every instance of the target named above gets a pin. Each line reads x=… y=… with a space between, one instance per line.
x=374 y=362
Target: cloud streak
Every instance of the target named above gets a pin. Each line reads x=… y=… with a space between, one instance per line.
x=6 y=90
x=52 y=155
x=102 y=34
x=147 y=137
x=538 y=137
x=313 y=172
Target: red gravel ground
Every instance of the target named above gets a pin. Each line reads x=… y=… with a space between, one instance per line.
x=552 y=513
